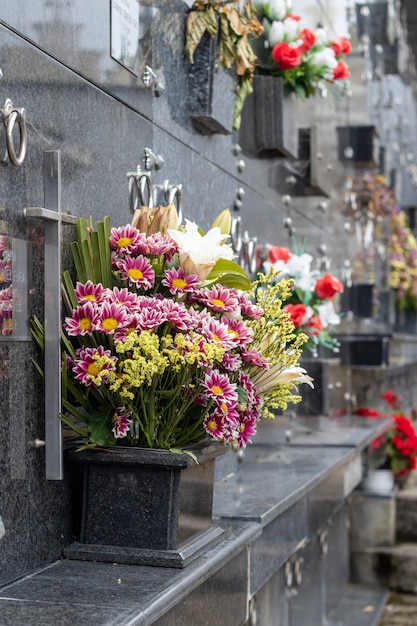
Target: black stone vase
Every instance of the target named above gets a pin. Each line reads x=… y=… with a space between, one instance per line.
x=212 y=91
x=146 y=506
x=268 y=120
x=364 y=349
x=405 y=321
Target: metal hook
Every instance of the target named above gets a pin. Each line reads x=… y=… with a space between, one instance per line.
x=11 y=115
x=170 y=194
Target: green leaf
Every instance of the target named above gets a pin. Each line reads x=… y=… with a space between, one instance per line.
x=99 y=425
x=230 y=274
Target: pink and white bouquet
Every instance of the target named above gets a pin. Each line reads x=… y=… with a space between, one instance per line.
x=305 y=59
x=162 y=345
x=311 y=304
x=6 y=289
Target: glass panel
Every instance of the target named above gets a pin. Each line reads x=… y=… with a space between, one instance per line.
x=14 y=289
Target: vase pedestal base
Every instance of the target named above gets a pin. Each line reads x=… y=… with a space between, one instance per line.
x=179 y=558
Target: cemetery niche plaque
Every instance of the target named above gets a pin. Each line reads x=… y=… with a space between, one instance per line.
x=14 y=289
x=124 y=29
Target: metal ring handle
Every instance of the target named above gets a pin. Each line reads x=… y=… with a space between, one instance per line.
x=10 y=120
x=145 y=184
x=236 y=234
x=133 y=194
x=175 y=195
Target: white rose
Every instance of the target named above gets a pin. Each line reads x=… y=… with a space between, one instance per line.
x=275 y=9
x=276 y=33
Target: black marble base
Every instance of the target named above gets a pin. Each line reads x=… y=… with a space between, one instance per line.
x=185 y=554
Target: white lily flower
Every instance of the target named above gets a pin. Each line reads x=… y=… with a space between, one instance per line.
x=268 y=380
x=198 y=253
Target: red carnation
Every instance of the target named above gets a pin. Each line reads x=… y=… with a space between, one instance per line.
x=327 y=287
x=285 y=56
x=341 y=46
x=341 y=71
x=308 y=38
x=276 y=253
x=297 y=313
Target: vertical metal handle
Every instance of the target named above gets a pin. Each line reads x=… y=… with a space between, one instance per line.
x=52 y=216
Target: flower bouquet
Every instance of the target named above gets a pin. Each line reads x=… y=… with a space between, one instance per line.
x=6 y=288
x=164 y=343
x=403 y=262
x=305 y=59
x=399 y=444
x=311 y=304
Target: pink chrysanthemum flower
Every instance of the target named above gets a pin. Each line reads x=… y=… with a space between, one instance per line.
x=215 y=330
x=176 y=314
x=112 y=317
x=121 y=422
x=248 y=308
x=255 y=358
x=214 y=425
x=219 y=298
x=131 y=326
x=90 y=292
x=87 y=367
x=150 y=317
x=124 y=297
x=238 y=331
x=231 y=362
x=137 y=271
x=157 y=244
x=83 y=320
x=219 y=388
x=179 y=283
x=125 y=238
x=247 y=429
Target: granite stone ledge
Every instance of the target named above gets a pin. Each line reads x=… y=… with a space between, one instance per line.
x=106 y=594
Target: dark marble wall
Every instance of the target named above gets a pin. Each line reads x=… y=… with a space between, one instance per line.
x=56 y=63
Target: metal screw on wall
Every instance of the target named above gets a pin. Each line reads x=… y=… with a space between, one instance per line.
x=151 y=81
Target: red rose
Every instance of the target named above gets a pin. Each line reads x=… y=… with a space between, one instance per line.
x=341 y=46
x=275 y=253
x=297 y=313
x=341 y=71
x=315 y=326
x=308 y=38
x=285 y=56
x=327 y=287
x=296 y=18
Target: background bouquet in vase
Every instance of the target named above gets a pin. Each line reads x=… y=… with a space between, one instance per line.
x=311 y=303
x=305 y=59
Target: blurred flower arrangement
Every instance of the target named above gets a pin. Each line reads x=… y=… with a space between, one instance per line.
x=403 y=261
x=164 y=342
x=400 y=442
x=233 y=25
x=6 y=289
x=311 y=305
x=305 y=59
